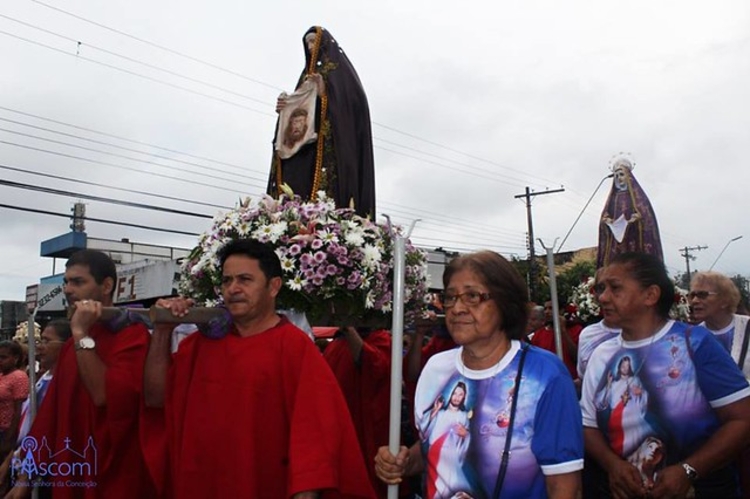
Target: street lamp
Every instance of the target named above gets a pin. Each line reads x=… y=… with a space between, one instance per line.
x=723 y=250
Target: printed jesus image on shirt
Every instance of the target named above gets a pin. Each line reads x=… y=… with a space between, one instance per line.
x=445 y=427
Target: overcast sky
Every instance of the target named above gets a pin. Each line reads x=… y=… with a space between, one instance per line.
x=471 y=102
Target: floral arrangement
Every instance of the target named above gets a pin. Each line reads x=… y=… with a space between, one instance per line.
x=336 y=264
x=681 y=308
x=584 y=297
x=22 y=334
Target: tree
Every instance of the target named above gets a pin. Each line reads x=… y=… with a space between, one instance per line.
x=743 y=284
x=571 y=277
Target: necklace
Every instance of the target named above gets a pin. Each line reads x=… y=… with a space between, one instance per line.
x=462 y=367
x=478 y=360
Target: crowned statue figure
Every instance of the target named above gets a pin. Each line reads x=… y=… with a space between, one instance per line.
x=323 y=139
x=628 y=222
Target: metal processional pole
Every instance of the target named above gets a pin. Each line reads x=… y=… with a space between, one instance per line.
x=397 y=341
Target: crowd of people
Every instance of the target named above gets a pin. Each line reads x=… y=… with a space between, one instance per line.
x=638 y=405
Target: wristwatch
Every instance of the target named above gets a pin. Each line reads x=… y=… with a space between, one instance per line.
x=691 y=472
x=85 y=343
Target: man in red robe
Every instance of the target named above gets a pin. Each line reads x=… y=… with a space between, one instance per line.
x=361 y=363
x=86 y=434
x=545 y=338
x=255 y=413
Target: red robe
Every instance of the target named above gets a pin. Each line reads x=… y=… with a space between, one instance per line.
x=545 y=338
x=102 y=441
x=259 y=416
x=367 y=390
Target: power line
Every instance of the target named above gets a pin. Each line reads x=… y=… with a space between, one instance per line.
x=104 y=163
x=118 y=137
x=79 y=44
x=134 y=73
x=131 y=204
x=448 y=148
x=441 y=240
x=464 y=222
x=161 y=47
x=448 y=217
x=523 y=182
x=179 y=87
x=234 y=73
x=99 y=220
x=110 y=144
x=47 y=190
x=484 y=229
x=130 y=158
x=444 y=226
x=122 y=189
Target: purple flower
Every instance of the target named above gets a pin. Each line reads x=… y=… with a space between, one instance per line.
x=331 y=270
x=316 y=244
x=295 y=249
x=320 y=257
x=340 y=281
x=317 y=280
x=306 y=259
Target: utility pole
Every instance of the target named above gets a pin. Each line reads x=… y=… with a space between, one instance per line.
x=532 y=260
x=686 y=253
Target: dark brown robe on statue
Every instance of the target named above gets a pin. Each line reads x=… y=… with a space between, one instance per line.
x=345 y=167
x=641 y=235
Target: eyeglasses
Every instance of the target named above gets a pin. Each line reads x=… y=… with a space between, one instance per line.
x=44 y=342
x=470 y=298
x=701 y=294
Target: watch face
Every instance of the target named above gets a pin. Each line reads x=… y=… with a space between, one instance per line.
x=86 y=343
x=690 y=471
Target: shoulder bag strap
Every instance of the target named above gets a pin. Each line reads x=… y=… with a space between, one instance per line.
x=506 y=451
x=743 y=352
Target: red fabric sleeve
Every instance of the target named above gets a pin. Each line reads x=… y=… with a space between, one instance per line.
x=69 y=415
x=320 y=426
x=123 y=386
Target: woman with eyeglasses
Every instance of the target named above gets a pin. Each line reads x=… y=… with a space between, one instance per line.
x=713 y=301
x=696 y=417
x=496 y=417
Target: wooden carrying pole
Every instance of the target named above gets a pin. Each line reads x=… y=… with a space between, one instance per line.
x=197 y=315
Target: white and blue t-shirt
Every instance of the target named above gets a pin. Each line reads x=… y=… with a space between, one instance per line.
x=463 y=416
x=591 y=337
x=653 y=399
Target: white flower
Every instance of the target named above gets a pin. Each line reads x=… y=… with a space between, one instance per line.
x=355 y=236
x=297 y=282
x=370 y=299
x=370 y=256
x=287 y=264
x=243 y=228
x=271 y=232
x=327 y=236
